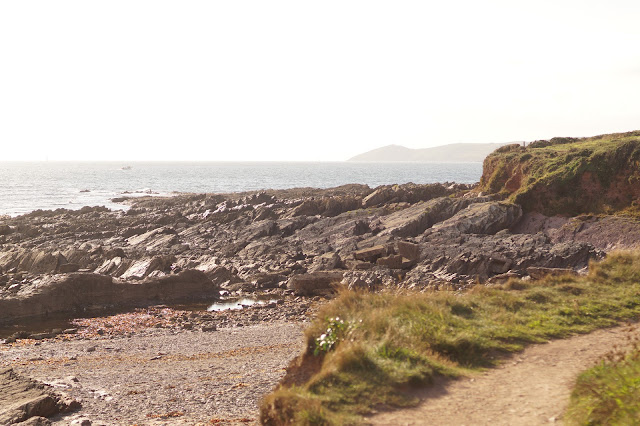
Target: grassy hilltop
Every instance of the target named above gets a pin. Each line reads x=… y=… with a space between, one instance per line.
x=568 y=176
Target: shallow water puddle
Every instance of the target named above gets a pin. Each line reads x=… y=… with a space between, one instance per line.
x=63 y=321
x=237 y=304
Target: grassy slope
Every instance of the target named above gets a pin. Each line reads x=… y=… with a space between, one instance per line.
x=566 y=175
x=391 y=342
x=609 y=393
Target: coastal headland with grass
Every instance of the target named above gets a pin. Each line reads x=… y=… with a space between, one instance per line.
x=322 y=306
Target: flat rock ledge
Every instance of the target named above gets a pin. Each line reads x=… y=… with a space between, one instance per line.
x=67 y=293
x=25 y=401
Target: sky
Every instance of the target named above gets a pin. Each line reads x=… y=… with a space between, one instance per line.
x=308 y=81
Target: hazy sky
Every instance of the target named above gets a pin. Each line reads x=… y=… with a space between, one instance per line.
x=301 y=80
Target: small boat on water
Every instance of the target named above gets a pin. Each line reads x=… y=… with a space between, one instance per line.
x=125 y=168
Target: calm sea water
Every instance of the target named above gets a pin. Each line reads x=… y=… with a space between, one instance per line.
x=25 y=187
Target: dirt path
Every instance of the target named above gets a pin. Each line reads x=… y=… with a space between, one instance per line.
x=532 y=388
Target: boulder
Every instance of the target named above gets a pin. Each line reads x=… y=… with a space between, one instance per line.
x=217 y=273
x=78 y=291
x=42 y=262
x=393 y=261
x=361 y=227
x=333 y=206
x=155 y=239
x=482 y=218
x=314 y=283
x=326 y=262
x=81 y=257
x=22 y=398
x=66 y=268
x=370 y=254
x=189 y=284
x=115 y=267
x=381 y=195
x=358 y=265
x=290 y=225
x=142 y=268
x=267 y=279
x=116 y=252
x=306 y=208
x=409 y=250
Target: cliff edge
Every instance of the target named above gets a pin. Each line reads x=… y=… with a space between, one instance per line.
x=568 y=176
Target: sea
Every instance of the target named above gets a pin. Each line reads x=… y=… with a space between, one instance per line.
x=28 y=186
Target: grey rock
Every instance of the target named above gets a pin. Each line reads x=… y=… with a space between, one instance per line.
x=66 y=268
x=408 y=250
x=370 y=254
x=394 y=261
x=326 y=262
x=482 y=218
x=314 y=283
x=22 y=399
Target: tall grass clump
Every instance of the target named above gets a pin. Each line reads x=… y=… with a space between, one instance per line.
x=388 y=343
x=609 y=393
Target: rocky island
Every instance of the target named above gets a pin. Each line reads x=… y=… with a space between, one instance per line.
x=142 y=278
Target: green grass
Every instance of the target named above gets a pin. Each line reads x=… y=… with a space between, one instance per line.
x=566 y=175
x=394 y=342
x=608 y=393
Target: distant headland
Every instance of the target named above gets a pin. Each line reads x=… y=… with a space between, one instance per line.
x=451 y=153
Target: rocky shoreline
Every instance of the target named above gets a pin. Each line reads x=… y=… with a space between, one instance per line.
x=165 y=250
x=290 y=247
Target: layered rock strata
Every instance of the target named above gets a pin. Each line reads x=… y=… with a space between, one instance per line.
x=301 y=241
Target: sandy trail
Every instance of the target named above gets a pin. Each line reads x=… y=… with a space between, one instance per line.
x=531 y=388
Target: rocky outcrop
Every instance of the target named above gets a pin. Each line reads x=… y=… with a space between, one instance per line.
x=398 y=255
x=470 y=258
x=193 y=246
x=326 y=262
x=568 y=176
x=603 y=232
x=326 y=206
x=78 y=292
x=22 y=399
x=414 y=220
x=482 y=218
x=371 y=254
